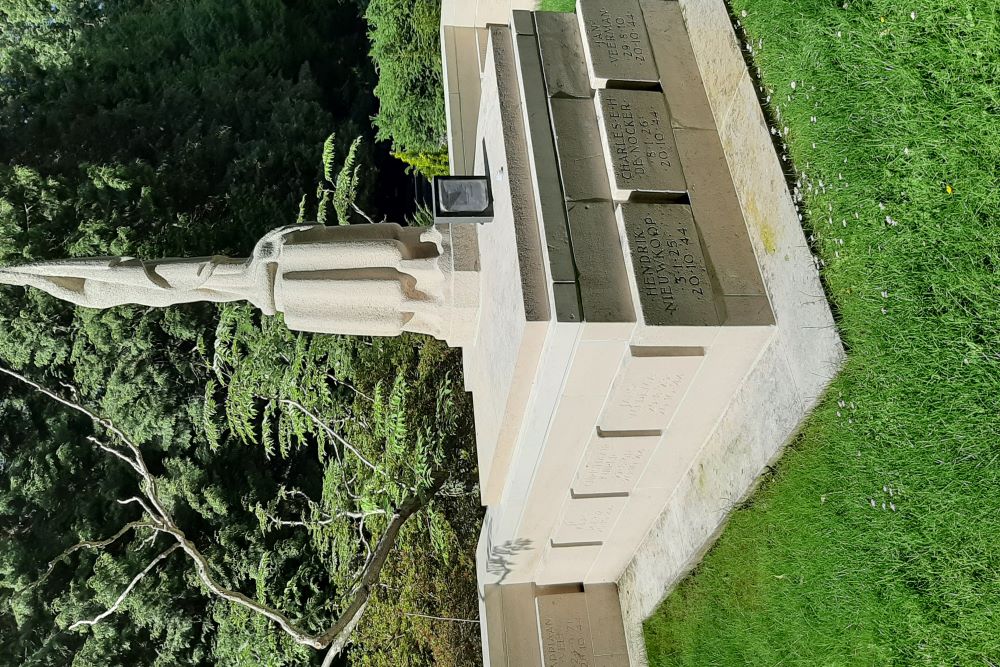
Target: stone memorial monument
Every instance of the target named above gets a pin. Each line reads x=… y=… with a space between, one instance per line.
x=642 y=324
x=662 y=331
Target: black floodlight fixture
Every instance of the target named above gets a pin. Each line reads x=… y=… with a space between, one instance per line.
x=460 y=199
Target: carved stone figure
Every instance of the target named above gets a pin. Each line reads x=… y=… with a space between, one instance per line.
x=376 y=279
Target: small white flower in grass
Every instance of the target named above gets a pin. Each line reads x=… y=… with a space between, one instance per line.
x=843 y=223
x=814 y=145
x=774 y=130
x=822 y=498
x=871 y=501
x=812 y=119
x=881 y=206
x=840 y=34
x=884 y=311
x=913 y=16
x=906 y=151
x=744 y=13
x=885 y=489
x=885 y=294
x=794 y=85
x=892 y=506
x=889 y=221
x=883 y=506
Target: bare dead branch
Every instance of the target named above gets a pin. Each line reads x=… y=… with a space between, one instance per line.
x=88 y=544
x=128 y=589
x=443 y=618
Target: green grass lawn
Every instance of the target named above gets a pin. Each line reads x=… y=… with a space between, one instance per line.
x=557 y=5
x=877 y=539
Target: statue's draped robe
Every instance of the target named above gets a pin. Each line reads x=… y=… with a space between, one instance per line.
x=377 y=280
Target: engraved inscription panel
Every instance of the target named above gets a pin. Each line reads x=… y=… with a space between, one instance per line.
x=613 y=465
x=616 y=42
x=587 y=521
x=669 y=266
x=638 y=143
x=565 y=630
x=648 y=392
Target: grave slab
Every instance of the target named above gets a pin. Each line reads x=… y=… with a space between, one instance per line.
x=565 y=630
x=670 y=269
x=587 y=521
x=650 y=388
x=638 y=143
x=613 y=465
x=616 y=43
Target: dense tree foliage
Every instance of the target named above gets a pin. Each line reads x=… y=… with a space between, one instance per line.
x=406 y=50
x=185 y=128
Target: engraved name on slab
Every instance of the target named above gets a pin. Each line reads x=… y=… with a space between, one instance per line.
x=613 y=465
x=638 y=143
x=565 y=630
x=616 y=42
x=669 y=266
x=587 y=521
x=649 y=389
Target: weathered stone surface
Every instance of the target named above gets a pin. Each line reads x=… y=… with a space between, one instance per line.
x=600 y=263
x=616 y=42
x=517 y=179
x=613 y=465
x=648 y=391
x=606 y=626
x=718 y=213
x=565 y=630
x=578 y=145
x=520 y=625
x=544 y=164
x=567 y=297
x=563 y=60
x=671 y=272
x=522 y=22
x=679 y=74
x=639 y=144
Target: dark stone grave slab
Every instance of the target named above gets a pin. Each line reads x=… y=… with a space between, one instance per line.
x=671 y=273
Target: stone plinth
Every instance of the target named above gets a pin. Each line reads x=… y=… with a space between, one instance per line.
x=631 y=371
